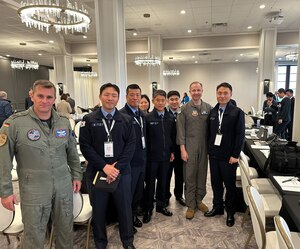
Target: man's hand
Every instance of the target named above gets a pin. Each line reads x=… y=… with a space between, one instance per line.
x=279 y=121
x=76 y=186
x=9 y=202
x=111 y=171
x=172 y=157
x=233 y=160
x=184 y=154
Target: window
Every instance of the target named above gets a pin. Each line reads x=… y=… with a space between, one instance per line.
x=286 y=77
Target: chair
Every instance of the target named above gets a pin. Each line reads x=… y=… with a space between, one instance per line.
x=14 y=174
x=286 y=239
x=77 y=130
x=249 y=122
x=11 y=223
x=252 y=171
x=271 y=202
x=263 y=240
x=263 y=185
x=82 y=213
x=72 y=123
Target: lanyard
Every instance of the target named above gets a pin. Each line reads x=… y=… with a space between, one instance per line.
x=106 y=128
x=221 y=113
x=140 y=124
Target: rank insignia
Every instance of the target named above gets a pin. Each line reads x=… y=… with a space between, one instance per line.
x=194 y=113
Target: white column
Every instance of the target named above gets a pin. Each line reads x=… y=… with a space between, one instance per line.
x=111 y=44
x=155 y=49
x=296 y=128
x=266 y=62
x=63 y=72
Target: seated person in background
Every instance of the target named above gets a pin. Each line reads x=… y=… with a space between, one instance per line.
x=5 y=107
x=64 y=107
x=270 y=109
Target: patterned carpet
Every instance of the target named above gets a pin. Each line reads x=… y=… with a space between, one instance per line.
x=174 y=232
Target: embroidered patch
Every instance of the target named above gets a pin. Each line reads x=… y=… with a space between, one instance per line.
x=194 y=113
x=6 y=124
x=33 y=134
x=61 y=133
x=3 y=139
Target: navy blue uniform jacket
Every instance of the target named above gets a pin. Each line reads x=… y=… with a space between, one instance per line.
x=161 y=135
x=93 y=135
x=139 y=157
x=233 y=130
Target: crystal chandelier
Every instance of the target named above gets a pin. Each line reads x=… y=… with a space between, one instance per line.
x=21 y=64
x=88 y=74
x=60 y=14
x=147 y=61
x=172 y=72
x=293 y=56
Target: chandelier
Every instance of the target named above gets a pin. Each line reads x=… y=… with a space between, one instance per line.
x=88 y=74
x=172 y=72
x=147 y=61
x=21 y=64
x=60 y=14
x=293 y=56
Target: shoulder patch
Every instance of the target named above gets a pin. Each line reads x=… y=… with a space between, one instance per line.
x=3 y=139
x=19 y=114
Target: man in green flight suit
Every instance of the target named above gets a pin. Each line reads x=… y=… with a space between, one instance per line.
x=48 y=168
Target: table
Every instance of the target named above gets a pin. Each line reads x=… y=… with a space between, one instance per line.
x=290 y=209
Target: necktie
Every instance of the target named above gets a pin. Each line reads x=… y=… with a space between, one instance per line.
x=175 y=114
x=109 y=117
x=161 y=116
x=136 y=113
x=221 y=110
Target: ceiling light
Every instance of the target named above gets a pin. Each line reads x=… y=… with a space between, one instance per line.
x=249 y=27
x=262 y=6
x=171 y=72
x=51 y=41
x=88 y=74
x=196 y=62
x=89 y=65
x=293 y=56
x=8 y=55
x=84 y=37
x=40 y=54
x=236 y=60
x=280 y=58
x=193 y=56
x=60 y=14
x=24 y=64
x=147 y=61
x=189 y=31
x=241 y=54
x=182 y=12
x=135 y=34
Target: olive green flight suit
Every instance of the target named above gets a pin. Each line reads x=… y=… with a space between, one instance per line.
x=191 y=132
x=48 y=162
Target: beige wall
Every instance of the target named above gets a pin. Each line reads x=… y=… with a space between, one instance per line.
x=242 y=76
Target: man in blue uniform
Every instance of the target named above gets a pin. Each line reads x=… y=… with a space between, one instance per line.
x=107 y=141
x=226 y=132
x=138 y=162
x=160 y=143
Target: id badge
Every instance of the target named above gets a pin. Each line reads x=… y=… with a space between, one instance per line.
x=143 y=142
x=218 y=139
x=108 y=149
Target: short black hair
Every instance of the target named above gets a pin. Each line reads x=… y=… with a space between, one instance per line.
x=133 y=86
x=269 y=95
x=159 y=92
x=104 y=86
x=281 y=90
x=226 y=85
x=290 y=91
x=172 y=93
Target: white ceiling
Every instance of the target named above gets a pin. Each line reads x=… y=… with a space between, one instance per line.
x=166 y=20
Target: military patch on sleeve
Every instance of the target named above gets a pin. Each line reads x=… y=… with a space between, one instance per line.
x=3 y=139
